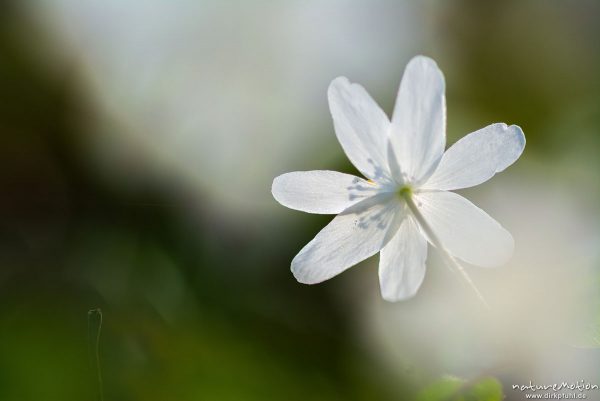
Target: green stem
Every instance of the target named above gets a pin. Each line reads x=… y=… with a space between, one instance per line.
x=450 y=260
x=95 y=348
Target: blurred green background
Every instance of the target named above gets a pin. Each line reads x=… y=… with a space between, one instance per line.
x=138 y=145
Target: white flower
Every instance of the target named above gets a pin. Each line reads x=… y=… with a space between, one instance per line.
x=405 y=202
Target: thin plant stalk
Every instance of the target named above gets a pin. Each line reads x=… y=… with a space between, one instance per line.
x=450 y=260
x=94 y=347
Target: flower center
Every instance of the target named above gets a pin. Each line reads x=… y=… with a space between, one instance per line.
x=405 y=192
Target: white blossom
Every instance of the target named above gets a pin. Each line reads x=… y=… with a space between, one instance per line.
x=404 y=202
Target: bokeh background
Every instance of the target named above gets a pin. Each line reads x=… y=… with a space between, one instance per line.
x=139 y=140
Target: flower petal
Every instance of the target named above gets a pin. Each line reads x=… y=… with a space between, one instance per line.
x=354 y=235
x=465 y=230
x=322 y=192
x=361 y=127
x=418 y=132
x=402 y=263
x=477 y=157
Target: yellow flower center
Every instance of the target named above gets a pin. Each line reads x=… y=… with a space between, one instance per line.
x=405 y=192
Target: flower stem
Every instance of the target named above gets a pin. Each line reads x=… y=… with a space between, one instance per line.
x=450 y=260
x=95 y=324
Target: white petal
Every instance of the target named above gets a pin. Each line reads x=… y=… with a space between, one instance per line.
x=465 y=230
x=360 y=126
x=352 y=236
x=477 y=157
x=402 y=263
x=322 y=192
x=418 y=131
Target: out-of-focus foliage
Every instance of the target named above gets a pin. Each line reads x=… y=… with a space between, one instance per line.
x=455 y=389
x=190 y=309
